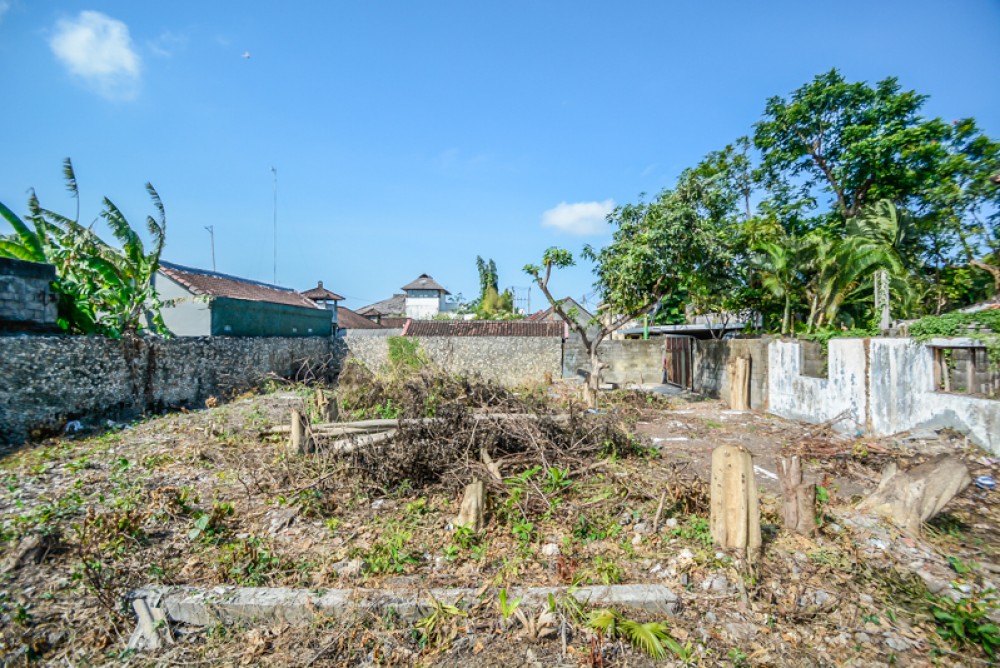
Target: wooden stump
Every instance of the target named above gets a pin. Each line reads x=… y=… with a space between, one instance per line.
x=798 y=507
x=301 y=438
x=910 y=498
x=326 y=407
x=473 y=506
x=735 y=520
x=739 y=383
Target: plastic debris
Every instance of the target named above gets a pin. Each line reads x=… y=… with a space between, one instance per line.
x=985 y=482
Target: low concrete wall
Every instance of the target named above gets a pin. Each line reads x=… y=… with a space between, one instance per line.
x=628 y=360
x=886 y=386
x=46 y=381
x=903 y=396
x=509 y=360
x=711 y=377
x=793 y=395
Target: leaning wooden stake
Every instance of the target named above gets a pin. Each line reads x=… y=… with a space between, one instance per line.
x=798 y=506
x=735 y=520
x=910 y=498
x=473 y=506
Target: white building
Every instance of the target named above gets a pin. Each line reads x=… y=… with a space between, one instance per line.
x=425 y=298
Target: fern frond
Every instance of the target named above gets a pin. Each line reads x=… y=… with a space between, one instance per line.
x=646 y=637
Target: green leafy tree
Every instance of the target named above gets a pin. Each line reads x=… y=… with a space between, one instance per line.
x=102 y=289
x=657 y=249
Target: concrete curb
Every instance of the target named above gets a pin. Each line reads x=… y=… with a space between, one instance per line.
x=246 y=605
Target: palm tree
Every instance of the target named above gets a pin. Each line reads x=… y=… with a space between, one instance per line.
x=778 y=262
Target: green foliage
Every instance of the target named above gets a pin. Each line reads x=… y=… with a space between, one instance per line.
x=248 y=562
x=969 y=325
x=102 y=289
x=389 y=553
x=967 y=622
x=507 y=607
x=652 y=638
x=405 y=355
x=439 y=628
x=695 y=529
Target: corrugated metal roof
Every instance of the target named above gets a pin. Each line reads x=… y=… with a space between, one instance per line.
x=201 y=282
x=523 y=328
x=395 y=305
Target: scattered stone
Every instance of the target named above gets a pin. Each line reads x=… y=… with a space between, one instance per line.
x=349 y=569
x=637 y=540
x=641 y=528
x=671 y=523
x=862 y=638
x=550 y=550
x=897 y=642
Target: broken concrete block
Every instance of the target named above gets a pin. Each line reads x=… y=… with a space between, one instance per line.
x=735 y=519
x=910 y=498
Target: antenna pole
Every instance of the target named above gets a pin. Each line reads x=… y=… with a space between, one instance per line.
x=211 y=231
x=275 y=277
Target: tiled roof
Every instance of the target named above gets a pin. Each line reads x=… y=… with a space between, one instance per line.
x=483 y=328
x=424 y=282
x=395 y=305
x=348 y=319
x=319 y=292
x=201 y=282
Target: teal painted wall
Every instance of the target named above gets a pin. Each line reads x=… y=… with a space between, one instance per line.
x=246 y=318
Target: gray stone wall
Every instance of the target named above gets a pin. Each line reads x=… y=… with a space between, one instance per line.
x=46 y=381
x=508 y=360
x=711 y=357
x=27 y=301
x=628 y=360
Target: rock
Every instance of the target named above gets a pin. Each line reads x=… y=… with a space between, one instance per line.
x=641 y=528
x=671 y=523
x=710 y=617
x=862 y=638
x=821 y=598
x=865 y=599
x=281 y=519
x=718 y=584
x=349 y=569
x=685 y=555
x=637 y=540
x=897 y=642
x=550 y=550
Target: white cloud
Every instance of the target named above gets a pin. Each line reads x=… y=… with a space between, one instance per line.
x=98 y=49
x=579 y=217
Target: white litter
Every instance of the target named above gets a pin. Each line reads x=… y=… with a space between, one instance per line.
x=764 y=472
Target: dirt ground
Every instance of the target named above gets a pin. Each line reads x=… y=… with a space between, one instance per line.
x=207 y=498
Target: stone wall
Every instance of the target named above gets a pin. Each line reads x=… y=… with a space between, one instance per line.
x=27 y=301
x=628 y=360
x=711 y=376
x=510 y=360
x=46 y=381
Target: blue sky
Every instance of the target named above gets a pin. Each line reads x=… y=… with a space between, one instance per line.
x=409 y=137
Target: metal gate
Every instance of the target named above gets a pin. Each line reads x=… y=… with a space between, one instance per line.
x=678 y=361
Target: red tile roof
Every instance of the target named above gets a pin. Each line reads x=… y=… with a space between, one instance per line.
x=201 y=282
x=348 y=319
x=484 y=328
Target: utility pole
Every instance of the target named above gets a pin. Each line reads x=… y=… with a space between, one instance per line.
x=275 y=278
x=211 y=231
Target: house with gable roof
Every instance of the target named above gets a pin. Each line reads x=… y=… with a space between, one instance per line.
x=197 y=302
x=422 y=299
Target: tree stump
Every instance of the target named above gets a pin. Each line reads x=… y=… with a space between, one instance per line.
x=798 y=507
x=301 y=439
x=739 y=383
x=473 y=506
x=326 y=407
x=735 y=520
x=910 y=498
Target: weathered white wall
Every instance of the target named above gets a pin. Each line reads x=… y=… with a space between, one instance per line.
x=792 y=395
x=184 y=314
x=422 y=307
x=903 y=396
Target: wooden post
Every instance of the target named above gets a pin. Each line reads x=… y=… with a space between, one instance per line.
x=937 y=369
x=735 y=520
x=798 y=505
x=739 y=383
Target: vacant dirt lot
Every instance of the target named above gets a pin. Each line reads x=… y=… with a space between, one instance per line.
x=208 y=498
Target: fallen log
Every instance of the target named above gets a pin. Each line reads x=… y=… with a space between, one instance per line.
x=362 y=426
x=348 y=445
x=910 y=498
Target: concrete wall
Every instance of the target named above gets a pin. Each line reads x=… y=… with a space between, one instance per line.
x=794 y=395
x=183 y=313
x=46 y=381
x=710 y=374
x=508 y=360
x=27 y=301
x=903 y=396
x=628 y=360
x=885 y=385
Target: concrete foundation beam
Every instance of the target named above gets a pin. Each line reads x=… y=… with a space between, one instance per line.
x=247 y=605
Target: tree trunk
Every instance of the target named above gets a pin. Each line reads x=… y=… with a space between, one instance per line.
x=735 y=520
x=786 y=320
x=593 y=384
x=910 y=498
x=473 y=506
x=798 y=507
